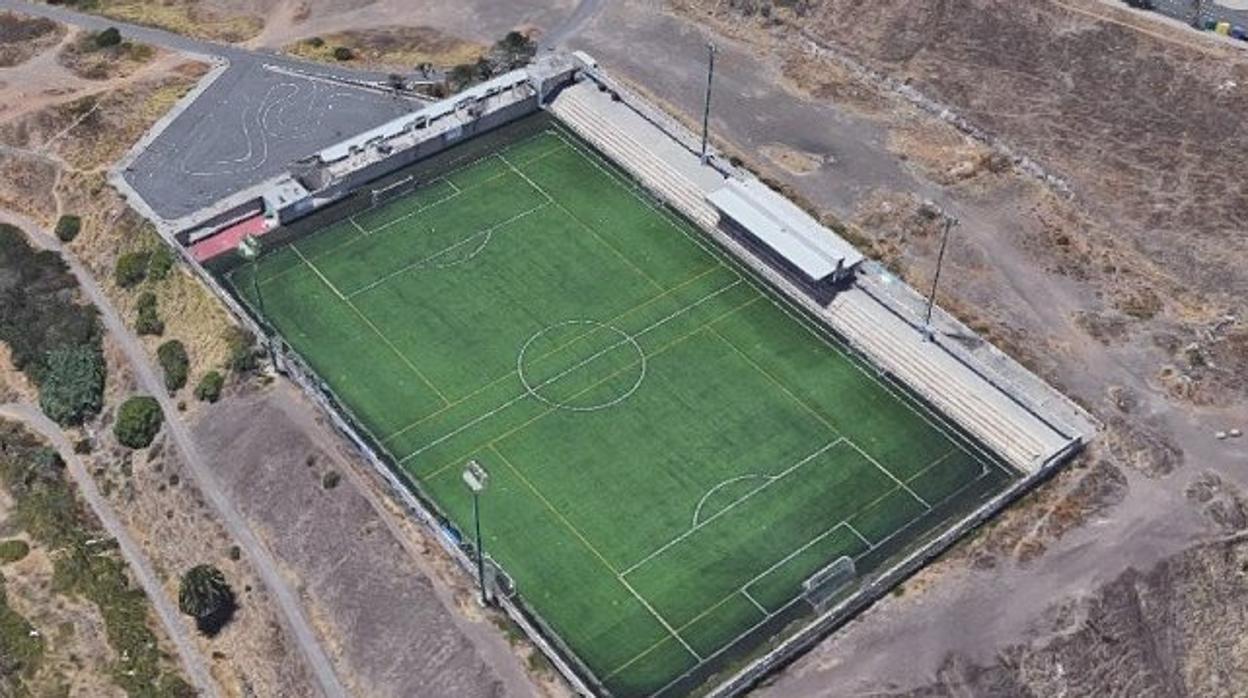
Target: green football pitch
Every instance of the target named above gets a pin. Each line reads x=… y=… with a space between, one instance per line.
x=672 y=449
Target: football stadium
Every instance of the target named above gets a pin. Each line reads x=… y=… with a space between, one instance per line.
x=700 y=430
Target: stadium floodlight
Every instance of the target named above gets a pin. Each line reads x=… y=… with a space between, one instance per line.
x=706 y=104
x=928 y=333
x=476 y=478
x=249 y=249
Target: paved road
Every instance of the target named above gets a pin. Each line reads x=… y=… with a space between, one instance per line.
x=1184 y=9
x=288 y=605
x=197 y=671
x=265 y=111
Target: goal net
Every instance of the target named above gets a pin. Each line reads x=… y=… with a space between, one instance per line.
x=392 y=190
x=825 y=585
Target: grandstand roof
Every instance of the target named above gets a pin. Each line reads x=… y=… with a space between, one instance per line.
x=788 y=230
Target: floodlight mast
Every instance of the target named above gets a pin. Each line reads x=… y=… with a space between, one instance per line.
x=928 y=333
x=706 y=104
x=476 y=478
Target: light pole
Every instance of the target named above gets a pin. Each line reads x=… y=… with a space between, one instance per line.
x=950 y=221
x=249 y=249
x=706 y=105
x=476 y=478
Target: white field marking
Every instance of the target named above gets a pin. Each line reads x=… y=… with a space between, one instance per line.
x=374 y=328
x=935 y=420
x=898 y=531
x=660 y=350
x=456 y=193
x=316 y=271
x=798 y=597
x=481 y=418
x=626 y=338
x=487 y=232
x=854 y=530
x=624 y=258
x=754 y=601
x=659 y=617
x=697 y=511
x=889 y=473
x=570 y=342
x=357 y=226
x=590 y=546
x=703 y=524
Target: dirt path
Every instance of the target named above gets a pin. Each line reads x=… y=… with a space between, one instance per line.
x=140 y=567
x=145 y=374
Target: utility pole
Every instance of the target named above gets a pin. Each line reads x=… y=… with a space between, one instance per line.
x=476 y=478
x=706 y=106
x=950 y=221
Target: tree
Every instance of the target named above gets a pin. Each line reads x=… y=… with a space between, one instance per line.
x=138 y=421
x=209 y=388
x=175 y=362
x=343 y=53
x=108 y=37
x=160 y=263
x=68 y=227
x=205 y=596
x=131 y=269
x=147 y=322
x=71 y=384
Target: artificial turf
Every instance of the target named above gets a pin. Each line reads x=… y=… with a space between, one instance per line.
x=671 y=450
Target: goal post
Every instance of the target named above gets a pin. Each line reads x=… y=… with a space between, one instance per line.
x=393 y=190
x=825 y=585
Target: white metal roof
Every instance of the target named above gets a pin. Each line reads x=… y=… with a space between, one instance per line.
x=784 y=227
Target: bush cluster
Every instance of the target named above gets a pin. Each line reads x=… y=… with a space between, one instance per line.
x=138 y=421
x=68 y=227
x=52 y=339
x=147 y=321
x=131 y=269
x=209 y=388
x=175 y=363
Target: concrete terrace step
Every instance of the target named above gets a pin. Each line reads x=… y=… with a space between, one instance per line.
x=648 y=167
x=896 y=347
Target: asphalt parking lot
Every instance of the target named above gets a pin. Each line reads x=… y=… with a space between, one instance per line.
x=249 y=125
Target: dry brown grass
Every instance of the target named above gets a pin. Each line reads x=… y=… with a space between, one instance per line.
x=401 y=48
x=190 y=312
x=84 y=58
x=26 y=183
x=189 y=17
x=22 y=37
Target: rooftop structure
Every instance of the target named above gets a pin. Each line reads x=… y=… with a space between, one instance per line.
x=789 y=232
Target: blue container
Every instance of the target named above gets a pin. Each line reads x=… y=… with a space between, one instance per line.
x=1239 y=33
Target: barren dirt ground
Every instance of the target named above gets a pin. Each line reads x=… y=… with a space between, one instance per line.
x=404 y=621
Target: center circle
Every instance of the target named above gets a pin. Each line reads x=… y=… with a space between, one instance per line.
x=613 y=340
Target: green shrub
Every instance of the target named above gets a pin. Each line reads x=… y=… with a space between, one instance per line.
x=205 y=596
x=131 y=269
x=13 y=550
x=160 y=263
x=108 y=37
x=175 y=362
x=138 y=421
x=331 y=479
x=209 y=388
x=68 y=227
x=242 y=352
x=343 y=53
x=71 y=384
x=316 y=42
x=147 y=321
